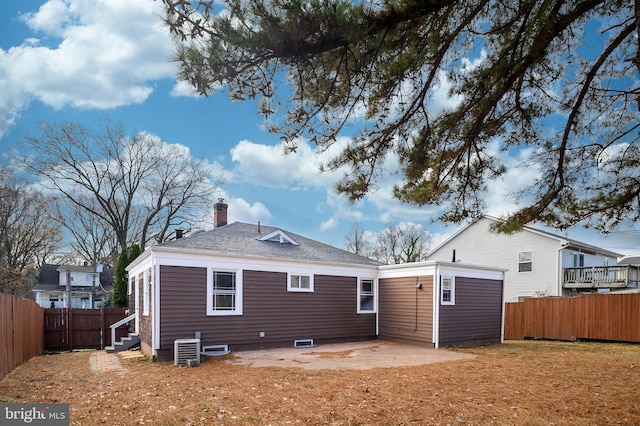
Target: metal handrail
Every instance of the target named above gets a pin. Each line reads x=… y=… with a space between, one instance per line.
x=118 y=324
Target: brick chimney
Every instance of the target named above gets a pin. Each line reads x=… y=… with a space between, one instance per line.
x=220 y=213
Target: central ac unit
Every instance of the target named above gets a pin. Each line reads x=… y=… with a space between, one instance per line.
x=186 y=351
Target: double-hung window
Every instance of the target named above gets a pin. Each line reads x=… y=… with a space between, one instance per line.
x=447 y=291
x=525 y=261
x=366 y=296
x=224 y=293
x=300 y=282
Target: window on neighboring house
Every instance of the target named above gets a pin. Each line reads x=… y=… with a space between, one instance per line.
x=525 y=261
x=366 y=295
x=146 y=292
x=300 y=283
x=578 y=260
x=605 y=261
x=447 y=291
x=224 y=293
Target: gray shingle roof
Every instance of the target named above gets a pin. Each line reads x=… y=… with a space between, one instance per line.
x=243 y=239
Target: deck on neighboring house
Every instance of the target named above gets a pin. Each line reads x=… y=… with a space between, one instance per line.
x=618 y=276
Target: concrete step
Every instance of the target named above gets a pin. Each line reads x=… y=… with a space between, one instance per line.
x=125 y=343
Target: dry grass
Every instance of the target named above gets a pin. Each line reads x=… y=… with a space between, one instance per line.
x=529 y=383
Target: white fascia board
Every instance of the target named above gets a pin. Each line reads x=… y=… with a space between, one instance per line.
x=198 y=258
x=142 y=259
x=451 y=268
x=407 y=269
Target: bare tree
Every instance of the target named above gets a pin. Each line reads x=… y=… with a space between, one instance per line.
x=402 y=243
x=27 y=233
x=92 y=237
x=356 y=242
x=141 y=186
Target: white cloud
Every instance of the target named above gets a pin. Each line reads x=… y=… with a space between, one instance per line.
x=184 y=88
x=329 y=224
x=242 y=211
x=92 y=54
x=268 y=165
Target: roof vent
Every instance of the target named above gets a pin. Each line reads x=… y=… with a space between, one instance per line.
x=280 y=237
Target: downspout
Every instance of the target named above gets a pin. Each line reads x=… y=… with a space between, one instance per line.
x=377 y=305
x=436 y=307
x=504 y=276
x=559 y=269
x=155 y=328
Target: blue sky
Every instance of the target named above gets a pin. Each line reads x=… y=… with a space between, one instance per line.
x=87 y=60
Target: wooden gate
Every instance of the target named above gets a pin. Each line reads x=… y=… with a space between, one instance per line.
x=68 y=329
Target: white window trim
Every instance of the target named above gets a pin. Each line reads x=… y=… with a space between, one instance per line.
x=531 y=261
x=302 y=290
x=374 y=288
x=238 y=299
x=453 y=290
x=146 y=293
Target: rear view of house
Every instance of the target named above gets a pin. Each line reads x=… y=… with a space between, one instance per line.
x=246 y=286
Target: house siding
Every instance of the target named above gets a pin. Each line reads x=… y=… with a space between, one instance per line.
x=329 y=314
x=405 y=312
x=476 y=316
x=478 y=245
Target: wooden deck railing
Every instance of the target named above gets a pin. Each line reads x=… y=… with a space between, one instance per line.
x=601 y=276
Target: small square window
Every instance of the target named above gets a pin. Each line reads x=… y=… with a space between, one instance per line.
x=300 y=283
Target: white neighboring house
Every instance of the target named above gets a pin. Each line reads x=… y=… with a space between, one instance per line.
x=539 y=263
x=89 y=286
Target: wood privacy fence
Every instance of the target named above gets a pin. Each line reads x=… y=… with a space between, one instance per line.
x=68 y=329
x=608 y=317
x=21 y=331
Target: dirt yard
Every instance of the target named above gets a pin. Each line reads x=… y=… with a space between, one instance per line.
x=530 y=383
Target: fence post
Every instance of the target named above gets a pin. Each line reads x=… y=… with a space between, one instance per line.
x=102 y=320
x=70 y=327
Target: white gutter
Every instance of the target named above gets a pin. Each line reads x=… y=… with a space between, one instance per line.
x=436 y=307
x=559 y=272
x=155 y=332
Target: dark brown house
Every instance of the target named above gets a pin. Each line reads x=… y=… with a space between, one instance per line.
x=247 y=286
